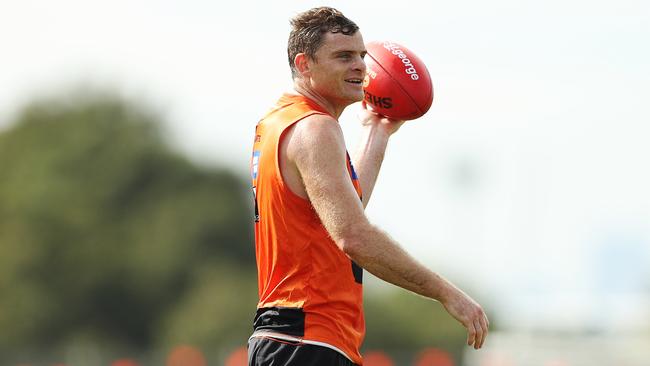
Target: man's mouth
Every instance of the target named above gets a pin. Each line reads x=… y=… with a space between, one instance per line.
x=354 y=81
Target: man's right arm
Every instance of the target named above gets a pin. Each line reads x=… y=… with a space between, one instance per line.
x=318 y=150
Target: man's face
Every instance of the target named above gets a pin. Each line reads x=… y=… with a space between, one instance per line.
x=337 y=72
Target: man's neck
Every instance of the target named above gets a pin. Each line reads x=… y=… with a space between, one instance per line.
x=301 y=88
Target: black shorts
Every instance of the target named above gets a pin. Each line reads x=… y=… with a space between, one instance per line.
x=266 y=351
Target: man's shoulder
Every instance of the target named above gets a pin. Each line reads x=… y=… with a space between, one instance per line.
x=318 y=126
x=315 y=137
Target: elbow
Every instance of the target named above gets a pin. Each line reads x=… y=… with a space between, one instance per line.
x=350 y=246
x=353 y=241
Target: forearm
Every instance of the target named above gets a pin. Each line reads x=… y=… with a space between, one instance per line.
x=380 y=255
x=369 y=157
x=376 y=252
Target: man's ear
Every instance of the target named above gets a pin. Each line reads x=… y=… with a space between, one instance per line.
x=303 y=66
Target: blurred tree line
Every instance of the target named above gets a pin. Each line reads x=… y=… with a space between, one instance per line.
x=110 y=239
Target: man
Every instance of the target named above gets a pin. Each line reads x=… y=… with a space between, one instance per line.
x=311 y=234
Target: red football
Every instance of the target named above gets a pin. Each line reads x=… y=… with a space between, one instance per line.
x=397 y=84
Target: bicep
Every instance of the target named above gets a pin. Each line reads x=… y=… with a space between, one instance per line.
x=319 y=155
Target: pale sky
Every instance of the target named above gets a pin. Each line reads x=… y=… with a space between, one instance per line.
x=526 y=183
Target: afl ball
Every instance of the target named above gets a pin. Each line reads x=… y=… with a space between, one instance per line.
x=397 y=84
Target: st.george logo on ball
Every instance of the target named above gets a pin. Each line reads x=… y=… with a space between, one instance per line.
x=397 y=84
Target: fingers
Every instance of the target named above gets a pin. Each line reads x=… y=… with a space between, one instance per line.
x=480 y=325
x=477 y=330
x=369 y=108
x=480 y=334
x=471 y=334
x=478 y=339
x=485 y=324
x=367 y=114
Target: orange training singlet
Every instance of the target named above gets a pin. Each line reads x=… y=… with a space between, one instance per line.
x=309 y=290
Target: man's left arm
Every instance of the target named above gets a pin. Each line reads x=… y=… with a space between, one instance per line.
x=376 y=130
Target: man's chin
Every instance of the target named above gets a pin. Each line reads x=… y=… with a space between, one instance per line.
x=354 y=99
x=351 y=98
x=359 y=96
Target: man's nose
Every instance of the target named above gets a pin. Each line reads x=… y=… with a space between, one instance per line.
x=360 y=64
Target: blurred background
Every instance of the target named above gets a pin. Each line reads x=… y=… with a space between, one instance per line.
x=126 y=212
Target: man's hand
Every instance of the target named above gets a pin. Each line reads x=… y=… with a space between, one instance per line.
x=469 y=313
x=370 y=118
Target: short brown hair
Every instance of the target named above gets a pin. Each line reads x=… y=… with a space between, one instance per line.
x=308 y=28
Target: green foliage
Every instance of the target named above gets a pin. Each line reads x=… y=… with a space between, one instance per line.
x=399 y=321
x=102 y=227
x=216 y=311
